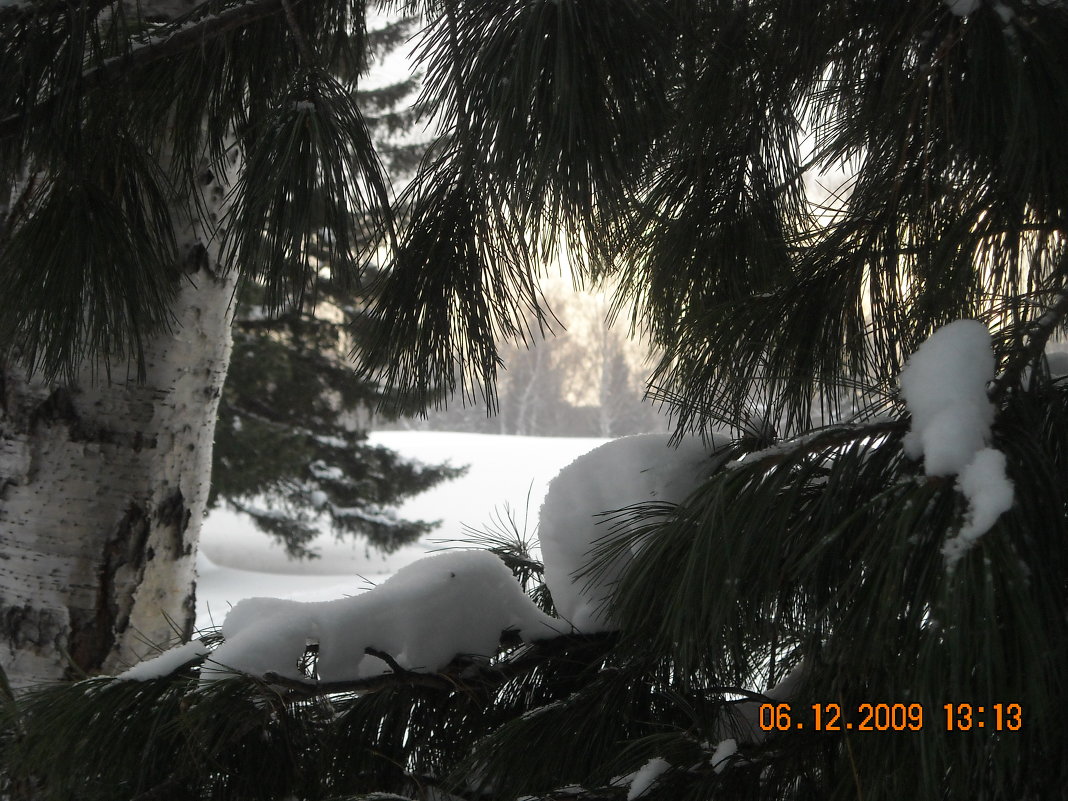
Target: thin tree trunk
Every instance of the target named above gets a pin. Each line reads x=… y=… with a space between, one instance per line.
x=103 y=487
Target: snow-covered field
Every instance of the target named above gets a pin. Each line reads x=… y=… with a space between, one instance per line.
x=237 y=561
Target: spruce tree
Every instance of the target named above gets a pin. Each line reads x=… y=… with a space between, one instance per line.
x=666 y=144
x=291 y=448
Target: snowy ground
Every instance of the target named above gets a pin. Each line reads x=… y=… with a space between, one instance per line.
x=237 y=561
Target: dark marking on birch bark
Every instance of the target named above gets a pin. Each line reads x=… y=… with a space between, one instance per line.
x=173 y=513
x=29 y=626
x=196 y=259
x=59 y=409
x=95 y=632
x=56 y=408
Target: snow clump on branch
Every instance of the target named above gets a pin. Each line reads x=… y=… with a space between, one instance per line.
x=576 y=515
x=944 y=387
x=423 y=616
x=646 y=777
x=167 y=662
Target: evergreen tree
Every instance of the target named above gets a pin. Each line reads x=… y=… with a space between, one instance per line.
x=291 y=448
x=664 y=140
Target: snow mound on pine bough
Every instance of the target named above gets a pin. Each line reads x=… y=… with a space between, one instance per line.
x=576 y=515
x=423 y=616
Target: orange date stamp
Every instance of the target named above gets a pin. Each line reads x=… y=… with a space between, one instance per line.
x=831 y=717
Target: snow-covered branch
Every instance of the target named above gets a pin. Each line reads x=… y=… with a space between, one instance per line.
x=424 y=616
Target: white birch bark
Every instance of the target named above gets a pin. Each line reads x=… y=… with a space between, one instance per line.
x=103 y=487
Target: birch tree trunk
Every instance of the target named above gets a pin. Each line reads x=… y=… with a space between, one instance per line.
x=103 y=487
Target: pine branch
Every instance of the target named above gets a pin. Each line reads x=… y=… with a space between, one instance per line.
x=466 y=677
x=463 y=115
x=298 y=35
x=17 y=207
x=1033 y=342
x=406 y=678
x=469 y=678
x=157 y=48
x=822 y=439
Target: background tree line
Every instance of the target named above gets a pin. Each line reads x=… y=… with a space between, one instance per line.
x=584 y=378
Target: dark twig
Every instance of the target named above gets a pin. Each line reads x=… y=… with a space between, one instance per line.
x=457 y=677
x=18 y=206
x=298 y=34
x=462 y=113
x=1032 y=344
x=310 y=688
x=387 y=658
